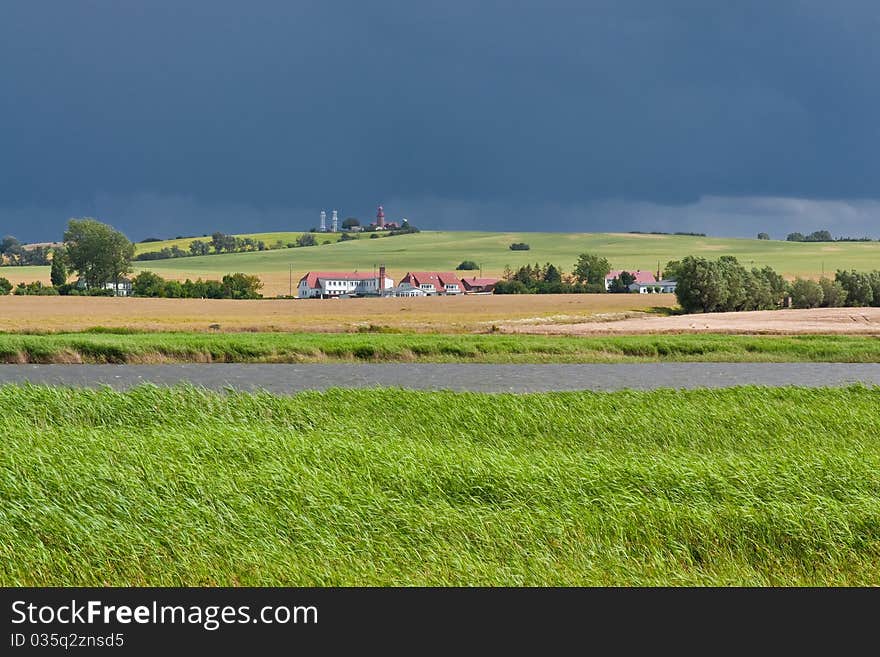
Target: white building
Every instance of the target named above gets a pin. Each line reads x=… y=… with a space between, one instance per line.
x=322 y=284
x=121 y=289
x=430 y=282
x=659 y=287
x=641 y=277
x=408 y=291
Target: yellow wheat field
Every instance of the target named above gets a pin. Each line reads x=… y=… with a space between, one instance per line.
x=428 y=314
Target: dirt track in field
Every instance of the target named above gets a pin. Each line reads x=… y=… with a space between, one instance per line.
x=835 y=321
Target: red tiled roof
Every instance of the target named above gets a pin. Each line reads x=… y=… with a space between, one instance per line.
x=312 y=277
x=478 y=282
x=439 y=279
x=641 y=276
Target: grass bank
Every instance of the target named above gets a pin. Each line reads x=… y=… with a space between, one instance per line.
x=132 y=347
x=749 y=486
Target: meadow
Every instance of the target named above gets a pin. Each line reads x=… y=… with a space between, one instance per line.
x=444 y=250
x=115 y=347
x=743 y=486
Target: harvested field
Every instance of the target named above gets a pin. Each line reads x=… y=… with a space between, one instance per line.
x=818 y=321
x=428 y=314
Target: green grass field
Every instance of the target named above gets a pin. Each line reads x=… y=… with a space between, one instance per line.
x=269 y=238
x=444 y=250
x=125 y=347
x=435 y=250
x=744 y=486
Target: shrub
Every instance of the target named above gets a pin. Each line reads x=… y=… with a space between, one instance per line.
x=519 y=246
x=806 y=293
x=833 y=294
x=34 y=289
x=5 y=286
x=467 y=265
x=859 y=290
x=374 y=236
x=306 y=239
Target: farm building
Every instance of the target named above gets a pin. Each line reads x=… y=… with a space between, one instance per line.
x=121 y=288
x=323 y=284
x=431 y=282
x=645 y=277
x=660 y=287
x=476 y=285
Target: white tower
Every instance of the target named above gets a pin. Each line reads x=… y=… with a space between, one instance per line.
x=334 y=222
x=323 y=221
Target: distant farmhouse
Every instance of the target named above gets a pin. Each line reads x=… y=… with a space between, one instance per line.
x=659 y=287
x=324 y=284
x=431 y=283
x=122 y=288
x=476 y=285
x=644 y=277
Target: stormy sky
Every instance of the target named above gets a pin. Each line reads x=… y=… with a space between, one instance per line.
x=179 y=117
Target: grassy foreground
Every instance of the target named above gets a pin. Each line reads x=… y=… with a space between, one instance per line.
x=184 y=487
x=122 y=347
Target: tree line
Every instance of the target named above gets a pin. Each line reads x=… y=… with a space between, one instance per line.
x=219 y=243
x=724 y=285
x=587 y=276
x=13 y=253
x=100 y=254
x=232 y=286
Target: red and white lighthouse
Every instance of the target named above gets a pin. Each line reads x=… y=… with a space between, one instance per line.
x=380 y=217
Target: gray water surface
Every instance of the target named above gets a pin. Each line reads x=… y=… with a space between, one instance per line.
x=284 y=379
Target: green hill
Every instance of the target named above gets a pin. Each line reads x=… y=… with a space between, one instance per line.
x=443 y=250
x=269 y=238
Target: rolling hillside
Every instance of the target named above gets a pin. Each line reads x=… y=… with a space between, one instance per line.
x=443 y=250
x=269 y=238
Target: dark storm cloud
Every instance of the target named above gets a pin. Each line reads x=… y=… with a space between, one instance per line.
x=182 y=117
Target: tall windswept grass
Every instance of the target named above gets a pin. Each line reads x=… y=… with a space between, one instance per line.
x=130 y=347
x=742 y=486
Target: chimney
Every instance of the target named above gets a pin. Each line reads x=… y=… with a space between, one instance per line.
x=381 y=278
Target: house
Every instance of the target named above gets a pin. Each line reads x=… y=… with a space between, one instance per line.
x=641 y=277
x=409 y=291
x=323 y=284
x=659 y=287
x=431 y=282
x=476 y=285
x=122 y=288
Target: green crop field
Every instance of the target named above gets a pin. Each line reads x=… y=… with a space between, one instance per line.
x=122 y=347
x=443 y=250
x=744 y=486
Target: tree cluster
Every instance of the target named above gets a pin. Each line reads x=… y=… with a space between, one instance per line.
x=537 y=279
x=661 y=232
x=232 y=286
x=35 y=289
x=14 y=253
x=519 y=246
x=97 y=252
x=724 y=285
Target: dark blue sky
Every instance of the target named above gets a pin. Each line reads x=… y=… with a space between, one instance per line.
x=179 y=117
